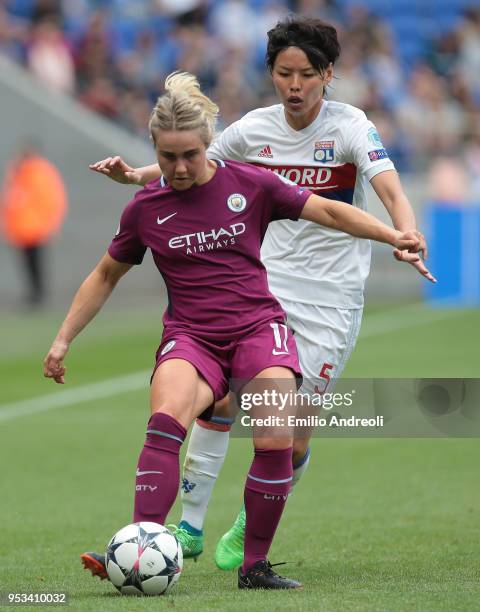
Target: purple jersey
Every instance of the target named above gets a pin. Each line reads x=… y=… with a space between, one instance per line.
x=206 y=243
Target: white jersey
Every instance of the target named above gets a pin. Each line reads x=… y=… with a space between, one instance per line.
x=332 y=157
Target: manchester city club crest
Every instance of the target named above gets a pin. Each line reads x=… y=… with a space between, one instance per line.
x=236 y=202
x=324 y=151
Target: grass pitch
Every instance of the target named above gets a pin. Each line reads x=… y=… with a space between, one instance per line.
x=374 y=524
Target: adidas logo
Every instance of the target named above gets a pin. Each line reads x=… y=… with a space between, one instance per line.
x=266 y=152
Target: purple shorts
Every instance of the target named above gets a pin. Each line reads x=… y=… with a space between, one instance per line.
x=267 y=345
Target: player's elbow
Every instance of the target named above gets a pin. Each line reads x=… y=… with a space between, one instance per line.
x=109 y=271
x=332 y=218
x=321 y=211
x=111 y=278
x=105 y=277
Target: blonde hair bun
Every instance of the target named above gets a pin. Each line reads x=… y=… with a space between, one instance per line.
x=184 y=107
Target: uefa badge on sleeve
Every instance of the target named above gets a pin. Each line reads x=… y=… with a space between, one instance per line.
x=236 y=202
x=324 y=151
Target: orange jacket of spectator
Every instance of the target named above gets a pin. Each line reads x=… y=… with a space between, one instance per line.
x=34 y=202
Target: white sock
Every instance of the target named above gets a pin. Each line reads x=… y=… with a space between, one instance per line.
x=205 y=455
x=299 y=470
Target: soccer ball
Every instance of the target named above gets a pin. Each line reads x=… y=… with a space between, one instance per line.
x=144 y=559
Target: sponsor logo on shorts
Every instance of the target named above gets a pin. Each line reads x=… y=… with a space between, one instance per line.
x=377 y=154
x=236 y=202
x=168 y=347
x=324 y=151
x=118 y=230
x=374 y=137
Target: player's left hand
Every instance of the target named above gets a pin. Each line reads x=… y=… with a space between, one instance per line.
x=412 y=241
x=53 y=363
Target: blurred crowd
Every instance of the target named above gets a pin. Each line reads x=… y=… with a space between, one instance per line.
x=416 y=76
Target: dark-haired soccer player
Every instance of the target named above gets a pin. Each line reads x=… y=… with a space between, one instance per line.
x=317 y=273
x=204 y=222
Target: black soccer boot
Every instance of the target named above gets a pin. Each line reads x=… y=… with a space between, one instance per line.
x=261 y=576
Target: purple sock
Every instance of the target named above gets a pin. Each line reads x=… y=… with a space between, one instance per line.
x=158 y=471
x=266 y=491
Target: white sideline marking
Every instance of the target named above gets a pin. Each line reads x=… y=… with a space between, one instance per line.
x=373 y=325
x=70 y=397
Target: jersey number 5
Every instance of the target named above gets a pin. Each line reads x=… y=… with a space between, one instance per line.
x=326 y=377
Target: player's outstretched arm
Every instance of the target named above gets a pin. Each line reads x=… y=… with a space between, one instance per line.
x=89 y=299
x=389 y=189
x=120 y=172
x=359 y=223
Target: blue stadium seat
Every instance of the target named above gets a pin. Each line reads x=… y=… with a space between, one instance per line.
x=414 y=24
x=160 y=24
x=126 y=33
x=406 y=28
x=411 y=51
x=21 y=8
x=73 y=27
x=447 y=21
x=451 y=5
x=258 y=5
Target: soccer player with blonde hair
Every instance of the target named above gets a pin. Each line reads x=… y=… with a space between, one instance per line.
x=318 y=274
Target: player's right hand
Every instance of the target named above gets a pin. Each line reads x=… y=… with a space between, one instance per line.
x=116 y=169
x=53 y=363
x=410 y=247
x=416 y=261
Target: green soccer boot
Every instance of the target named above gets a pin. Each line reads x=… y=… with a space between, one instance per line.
x=191 y=539
x=229 y=551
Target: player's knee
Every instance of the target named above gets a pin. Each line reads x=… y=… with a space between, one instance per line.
x=221 y=420
x=176 y=410
x=221 y=408
x=300 y=447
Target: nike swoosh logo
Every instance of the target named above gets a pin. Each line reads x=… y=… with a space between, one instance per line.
x=139 y=473
x=160 y=221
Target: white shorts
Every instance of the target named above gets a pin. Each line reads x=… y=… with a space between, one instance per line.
x=325 y=338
